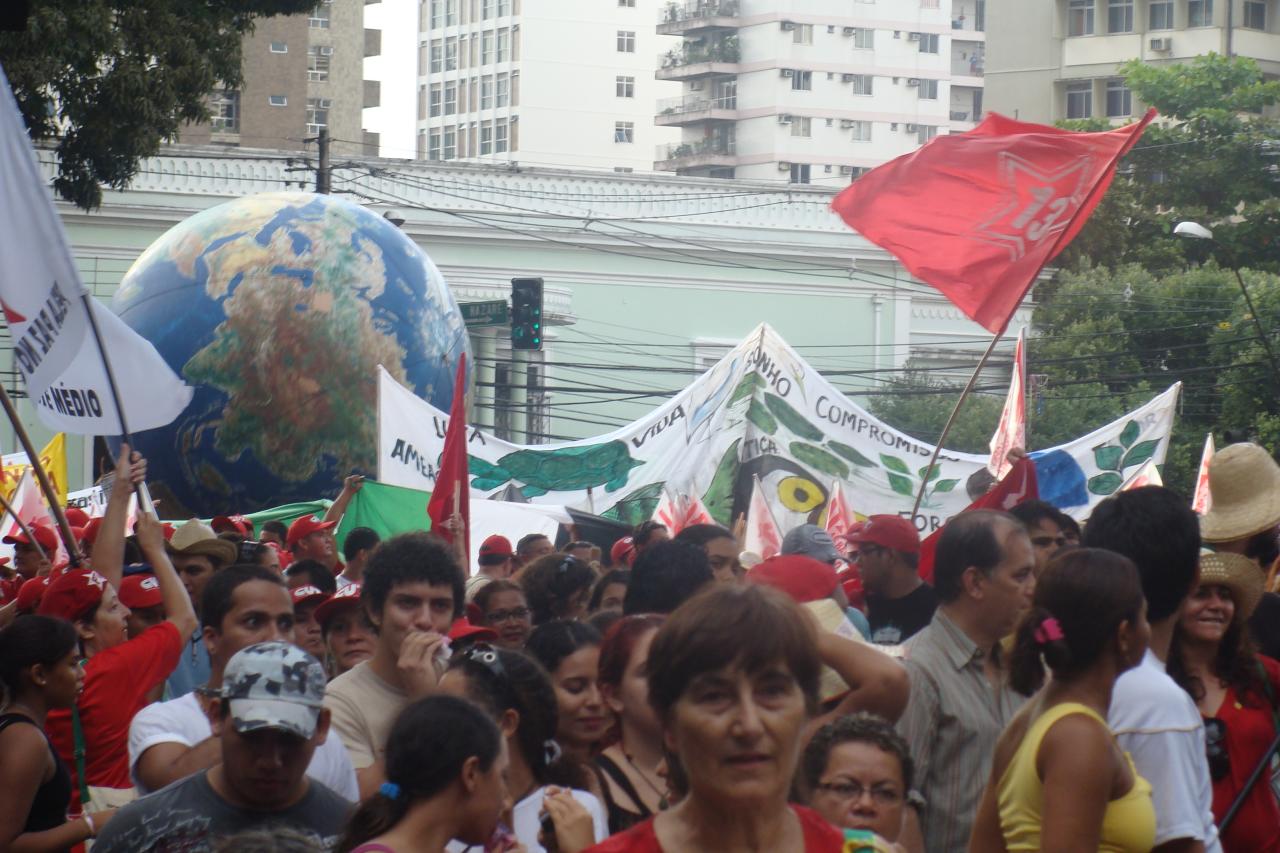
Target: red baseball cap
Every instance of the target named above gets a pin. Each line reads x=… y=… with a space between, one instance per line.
x=308 y=594
x=623 y=551
x=138 y=591
x=90 y=531
x=232 y=524
x=304 y=527
x=889 y=531
x=76 y=517
x=496 y=546
x=462 y=629
x=30 y=594
x=803 y=578
x=45 y=537
x=344 y=599
x=72 y=594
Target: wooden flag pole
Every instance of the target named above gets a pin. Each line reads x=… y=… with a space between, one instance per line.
x=55 y=506
x=951 y=419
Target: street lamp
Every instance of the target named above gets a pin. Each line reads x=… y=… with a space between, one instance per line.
x=1196 y=231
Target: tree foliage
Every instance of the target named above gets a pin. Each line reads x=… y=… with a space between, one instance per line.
x=109 y=80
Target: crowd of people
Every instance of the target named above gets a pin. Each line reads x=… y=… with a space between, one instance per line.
x=1039 y=685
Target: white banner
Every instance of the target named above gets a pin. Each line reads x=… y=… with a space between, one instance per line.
x=42 y=298
x=763 y=412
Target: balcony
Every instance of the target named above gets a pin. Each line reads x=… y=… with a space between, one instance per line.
x=712 y=151
x=697 y=59
x=691 y=109
x=967 y=62
x=698 y=16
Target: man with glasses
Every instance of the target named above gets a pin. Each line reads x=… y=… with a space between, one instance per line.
x=899 y=603
x=1043 y=526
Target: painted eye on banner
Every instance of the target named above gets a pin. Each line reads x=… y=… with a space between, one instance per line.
x=800 y=494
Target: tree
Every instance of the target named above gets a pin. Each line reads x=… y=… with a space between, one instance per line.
x=109 y=80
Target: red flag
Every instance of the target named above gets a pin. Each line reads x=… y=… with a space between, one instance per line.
x=763 y=536
x=840 y=517
x=976 y=215
x=1012 y=431
x=1017 y=486
x=1202 y=501
x=451 y=492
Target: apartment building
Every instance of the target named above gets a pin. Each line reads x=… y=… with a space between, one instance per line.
x=812 y=91
x=301 y=73
x=541 y=82
x=1059 y=59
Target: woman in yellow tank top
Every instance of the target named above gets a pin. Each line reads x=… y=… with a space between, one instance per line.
x=1059 y=782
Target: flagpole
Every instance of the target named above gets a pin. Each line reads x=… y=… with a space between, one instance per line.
x=55 y=506
x=144 y=495
x=951 y=419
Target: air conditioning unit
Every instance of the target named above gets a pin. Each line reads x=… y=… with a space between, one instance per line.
x=910 y=128
x=788 y=26
x=1161 y=44
x=829 y=122
x=826 y=170
x=895 y=81
x=913 y=36
x=848 y=78
x=784 y=167
x=785 y=72
x=695 y=85
x=849 y=31
x=893 y=125
x=913 y=81
x=784 y=118
x=847 y=123
x=846 y=170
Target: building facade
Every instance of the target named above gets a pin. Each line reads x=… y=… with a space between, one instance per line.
x=301 y=73
x=540 y=82
x=811 y=91
x=1060 y=59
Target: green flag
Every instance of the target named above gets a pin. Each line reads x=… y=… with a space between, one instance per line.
x=387 y=509
x=288 y=513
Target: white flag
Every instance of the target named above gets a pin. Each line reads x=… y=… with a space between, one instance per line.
x=1012 y=431
x=1203 y=501
x=43 y=302
x=763 y=537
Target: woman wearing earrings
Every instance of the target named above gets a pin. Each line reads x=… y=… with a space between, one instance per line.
x=1059 y=780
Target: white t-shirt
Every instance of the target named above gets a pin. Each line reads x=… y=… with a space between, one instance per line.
x=1157 y=723
x=343 y=581
x=525 y=816
x=183 y=721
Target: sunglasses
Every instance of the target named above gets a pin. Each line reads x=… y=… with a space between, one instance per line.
x=1215 y=737
x=487 y=656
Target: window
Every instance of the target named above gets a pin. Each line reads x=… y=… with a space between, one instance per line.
x=319 y=19
x=503 y=49
x=450 y=98
x=624 y=131
x=628 y=4
x=1160 y=15
x=486 y=93
x=1119 y=100
x=625 y=87
x=500 y=136
x=318 y=59
x=929 y=4
x=802 y=80
x=504 y=8
x=437 y=55
x=317 y=114
x=451 y=54
x=225 y=109
x=434 y=100
x=1199 y=13
x=502 y=91
x=862 y=84
x=801 y=126
x=486 y=9
x=928 y=90
x=928 y=42
x=626 y=41
x=1079 y=100
x=1255 y=14
x=802 y=34
x=437 y=13
x=450 y=13
x=433 y=145
x=861 y=130
x=1119 y=16
x=864 y=38
x=449 y=150
x=486 y=48
x=799 y=173
x=980 y=16
x=279 y=47
x=1080 y=17
x=486 y=139
x=925 y=132
x=278 y=100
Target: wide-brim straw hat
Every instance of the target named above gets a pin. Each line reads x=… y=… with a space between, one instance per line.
x=1244 y=487
x=1237 y=573
x=196 y=539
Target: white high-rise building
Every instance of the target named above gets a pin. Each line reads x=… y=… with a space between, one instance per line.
x=541 y=82
x=813 y=90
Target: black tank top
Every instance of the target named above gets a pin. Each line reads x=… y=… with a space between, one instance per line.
x=49 y=808
x=620 y=819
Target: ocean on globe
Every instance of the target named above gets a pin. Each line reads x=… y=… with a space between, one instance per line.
x=277 y=309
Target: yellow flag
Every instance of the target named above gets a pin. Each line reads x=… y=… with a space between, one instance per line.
x=54 y=460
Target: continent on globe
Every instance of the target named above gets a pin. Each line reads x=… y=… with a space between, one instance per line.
x=277 y=309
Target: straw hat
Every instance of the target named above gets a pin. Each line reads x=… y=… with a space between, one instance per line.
x=1237 y=573
x=1244 y=484
x=196 y=539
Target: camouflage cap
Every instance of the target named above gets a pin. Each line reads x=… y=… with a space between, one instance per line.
x=274 y=686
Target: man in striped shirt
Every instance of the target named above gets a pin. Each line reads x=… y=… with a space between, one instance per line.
x=960 y=696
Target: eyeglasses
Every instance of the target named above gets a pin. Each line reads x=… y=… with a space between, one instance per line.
x=496 y=617
x=487 y=656
x=1215 y=737
x=880 y=794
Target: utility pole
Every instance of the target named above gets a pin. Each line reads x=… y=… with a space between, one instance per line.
x=322 y=169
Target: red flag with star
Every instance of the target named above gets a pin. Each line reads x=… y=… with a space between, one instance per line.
x=976 y=215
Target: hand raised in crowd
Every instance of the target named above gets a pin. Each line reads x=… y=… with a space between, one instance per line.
x=149 y=532
x=131 y=469
x=353 y=483
x=417 y=662
x=574 y=830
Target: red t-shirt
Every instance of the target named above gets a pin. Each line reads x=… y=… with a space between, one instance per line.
x=1250 y=730
x=819 y=837
x=116 y=683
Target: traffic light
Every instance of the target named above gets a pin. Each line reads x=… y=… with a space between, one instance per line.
x=526 y=313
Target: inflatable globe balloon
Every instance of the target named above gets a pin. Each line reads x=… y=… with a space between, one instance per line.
x=277 y=309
